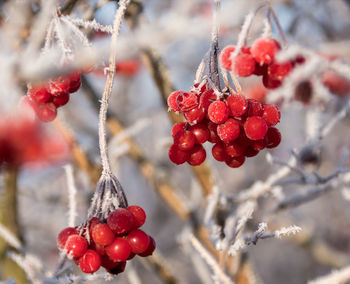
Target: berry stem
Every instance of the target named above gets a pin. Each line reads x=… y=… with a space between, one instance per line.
x=108 y=88
x=280 y=30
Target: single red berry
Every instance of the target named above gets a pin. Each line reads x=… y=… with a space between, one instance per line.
x=92 y=223
x=139 y=215
x=218 y=112
x=260 y=70
x=255 y=128
x=64 y=235
x=237 y=104
x=250 y=152
x=197 y=155
x=119 y=250
x=271 y=114
x=172 y=101
x=277 y=71
x=255 y=108
x=39 y=94
x=61 y=99
x=90 y=262
x=119 y=268
x=337 y=84
x=235 y=162
x=59 y=85
x=229 y=130
x=270 y=83
x=178 y=156
x=195 y=115
x=75 y=82
x=207 y=98
x=273 y=137
x=187 y=101
x=151 y=247
x=234 y=149
x=258 y=145
x=257 y=92
x=244 y=65
x=218 y=152
x=264 y=49
x=102 y=235
x=46 y=112
x=177 y=127
x=108 y=263
x=213 y=138
x=138 y=241
x=76 y=246
x=225 y=57
x=201 y=132
x=120 y=221
x=245 y=49
x=184 y=140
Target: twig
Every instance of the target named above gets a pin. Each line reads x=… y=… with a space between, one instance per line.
x=340 y=276
x=72 y=191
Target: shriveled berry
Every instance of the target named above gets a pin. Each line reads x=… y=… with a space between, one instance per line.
x=172 y=101
x=277 y=71
x=139 y=215
x=271 y=114
x=39 y=94
x=61 y=99
x=201 y=132
x=177 y=127
x=234 y=149
x=120 y=221
x=64 y=235
x=237 y=104
x=187 y=101
x=264 y=49
x=225 y=57
x=229 y=130
x=46 y=112
x=195 y=115
x=244 y=65
x=218 y=152
x=235 y=162
x=119 y=250
x=218 y=112
x=273 y=137
x=197 y=155
x=178 y=156
x=90 y=262
x=138 y=241
x=150 y=249
x=184 y=140
x=255 y=128
x=76 y=246
x=102 y=235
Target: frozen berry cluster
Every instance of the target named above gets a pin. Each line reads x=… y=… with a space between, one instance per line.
x=108 y=244
x=238 y=127
x=45 y=98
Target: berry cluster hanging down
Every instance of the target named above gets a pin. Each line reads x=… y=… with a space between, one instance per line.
x=45 y=98
x=108 y=244
x=238 y=127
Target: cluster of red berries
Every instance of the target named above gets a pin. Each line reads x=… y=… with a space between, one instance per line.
x=111 y=243
x=238 y=127
x=259 y=60
x=45 y=98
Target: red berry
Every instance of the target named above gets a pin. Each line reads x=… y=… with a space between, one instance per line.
x=264 y=49
x=237 y=104
x=98 y=248
x=244 y=65
x=119 y=268
x=257 y=92
x=258 y=145
x=59 y=85
x=277 y=71
x=64 y=235
x=255 y=128
x=172 y=101
x=187 y=101
x=225 y=57
x=273 y=137
x=234 y=149
x=178 y=156
x=61 y=99
x=218 y=152
x=260 y=70
x=108 y=263
x=102 y=235
x=139 y=215
x=76 y=246
x=213 y=138
x=218 y=112
x=46 y=112
x=235 y=162
x=39 y=94
x=195 y=115
x=75 y=82
x=195 y=88
x=177 y=127
x=250 y=152
x=92 y=223
x=138 y=241
x=201 y=132
x=271 y=114
x=255 y=108
x=207 y=98
x=197 y=155
x=184 y=140
x=90 y=262
x=337 y=84
x=120 y=221
x=151 y=247
x=270 y=83
x=229 y=130
x=119 y=250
